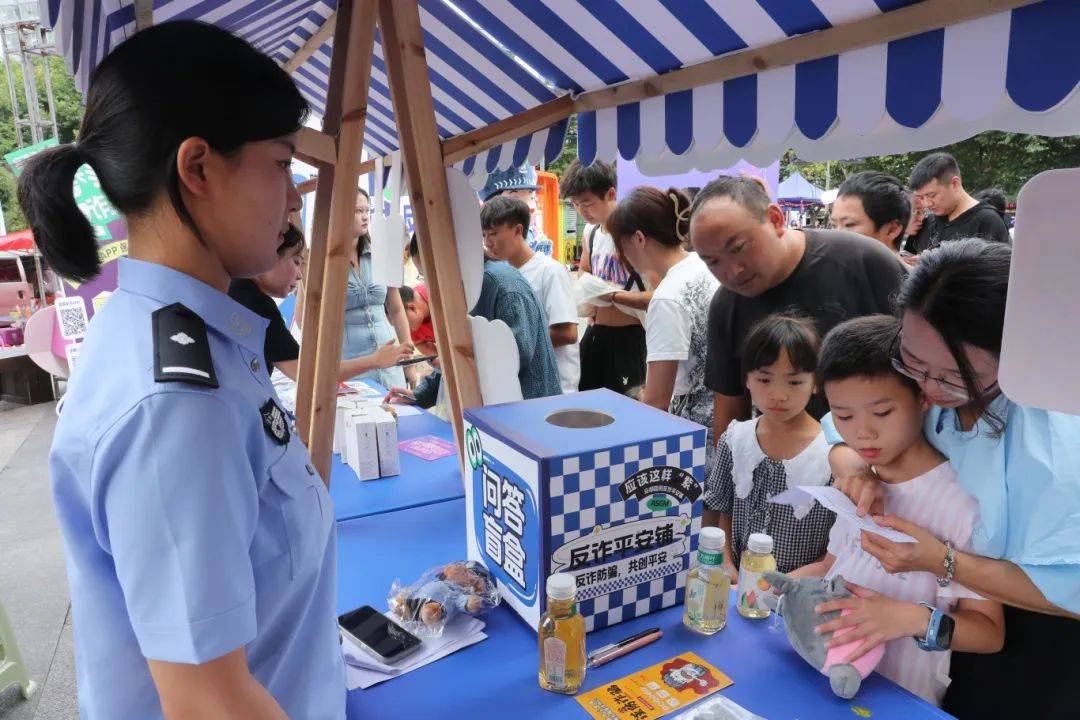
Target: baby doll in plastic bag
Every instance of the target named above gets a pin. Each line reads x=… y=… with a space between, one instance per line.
x=426 y=606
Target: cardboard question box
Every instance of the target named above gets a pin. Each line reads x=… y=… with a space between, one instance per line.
x=614 y=499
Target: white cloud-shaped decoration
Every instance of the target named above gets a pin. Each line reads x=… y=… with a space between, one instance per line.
x=497 y=360
x=465 y=207
x=1043 y=296
x=388 y=231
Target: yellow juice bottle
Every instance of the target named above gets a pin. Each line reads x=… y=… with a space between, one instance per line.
x=562 y=638
x=756 y=559
x=707 y=586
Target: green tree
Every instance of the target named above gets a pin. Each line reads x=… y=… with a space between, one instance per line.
x=569 y=152
x=990 y=159
x=69 y=111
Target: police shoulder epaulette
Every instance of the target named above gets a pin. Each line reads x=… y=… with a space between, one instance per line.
x=181 y=347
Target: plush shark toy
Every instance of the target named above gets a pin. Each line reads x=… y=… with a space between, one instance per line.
x=800 y=597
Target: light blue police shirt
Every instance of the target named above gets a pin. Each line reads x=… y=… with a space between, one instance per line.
x=189 y=530
x=1027 y=482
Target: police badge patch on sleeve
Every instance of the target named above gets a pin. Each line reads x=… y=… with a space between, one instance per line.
x=274 y=422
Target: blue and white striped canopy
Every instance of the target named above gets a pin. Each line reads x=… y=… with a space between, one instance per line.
x=491 y=59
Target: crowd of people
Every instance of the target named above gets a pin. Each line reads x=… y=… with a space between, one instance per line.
x=863 y=355
x=199 y=537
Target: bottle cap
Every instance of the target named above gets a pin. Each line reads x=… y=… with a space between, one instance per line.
x=760 y=543
x=712 y=539
x=561 y=586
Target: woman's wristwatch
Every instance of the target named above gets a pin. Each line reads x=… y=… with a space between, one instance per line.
x=949 y=563
x=939 y=631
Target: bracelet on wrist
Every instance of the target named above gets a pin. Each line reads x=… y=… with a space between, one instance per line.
x=949 y=564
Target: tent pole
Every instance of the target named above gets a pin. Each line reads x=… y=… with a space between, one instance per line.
x=312 y=45
x=144 y=14
x=410 y=89
x=359 y=42
x=311 y=299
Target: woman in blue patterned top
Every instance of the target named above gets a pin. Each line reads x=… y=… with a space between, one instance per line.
x=373 y=317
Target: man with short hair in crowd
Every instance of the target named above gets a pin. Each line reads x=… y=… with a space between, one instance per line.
x=505 y=221
x=936 y=181
x=765 y=267
x=418 y=310
x=521 y=183
x=613 y=347
x=995 y=198
x=504 y=295
x=873 y=204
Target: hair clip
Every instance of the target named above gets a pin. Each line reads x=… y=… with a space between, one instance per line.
x=680 y=216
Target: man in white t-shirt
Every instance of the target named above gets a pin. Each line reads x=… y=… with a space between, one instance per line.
x=504 y=220
x=919 y=618
x=613 y=348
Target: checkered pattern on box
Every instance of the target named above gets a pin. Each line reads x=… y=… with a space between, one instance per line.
x=584 y=493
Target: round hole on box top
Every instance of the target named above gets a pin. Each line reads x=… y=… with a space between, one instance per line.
x=579 y=419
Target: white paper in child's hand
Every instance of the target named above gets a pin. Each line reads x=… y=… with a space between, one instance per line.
x=832 y=499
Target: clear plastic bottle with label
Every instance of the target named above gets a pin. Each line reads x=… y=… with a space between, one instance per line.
x=708 y=586
x=756 y=559
x=562 y=638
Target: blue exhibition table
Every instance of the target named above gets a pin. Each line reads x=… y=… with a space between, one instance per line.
x=497 y=677
x=421 y=482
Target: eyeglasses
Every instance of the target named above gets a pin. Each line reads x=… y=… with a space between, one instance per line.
x=957 y=391
x=922 y=377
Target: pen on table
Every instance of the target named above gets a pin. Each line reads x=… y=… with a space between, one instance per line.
x=616 y=650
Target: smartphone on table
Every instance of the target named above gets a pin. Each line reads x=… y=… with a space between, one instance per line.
x=377 y=635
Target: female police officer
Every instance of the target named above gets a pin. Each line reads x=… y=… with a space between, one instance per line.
x=199 y=540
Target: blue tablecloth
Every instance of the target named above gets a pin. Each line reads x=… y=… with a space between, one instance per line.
x=420 y=482
x=498 y=677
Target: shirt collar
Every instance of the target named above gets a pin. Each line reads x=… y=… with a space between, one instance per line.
x=217 y=309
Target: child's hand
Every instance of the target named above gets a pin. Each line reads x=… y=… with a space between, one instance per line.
x=875 y=619
x=864 y=489
x=731 y=571
x=400 y=396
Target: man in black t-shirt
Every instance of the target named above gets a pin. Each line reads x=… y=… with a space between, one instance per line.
x=936 y=182
x=764 y=267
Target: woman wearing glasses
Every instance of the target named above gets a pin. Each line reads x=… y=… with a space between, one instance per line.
x=374 y=318
x=1023 y=466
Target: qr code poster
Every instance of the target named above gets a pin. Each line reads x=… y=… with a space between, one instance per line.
x=71 y=315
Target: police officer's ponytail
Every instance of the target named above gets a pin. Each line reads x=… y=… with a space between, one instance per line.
x=62 y=233
x=168 y=83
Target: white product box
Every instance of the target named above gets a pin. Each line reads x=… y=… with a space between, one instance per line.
x=387 y=436
x=361 y=443
x=345 y=405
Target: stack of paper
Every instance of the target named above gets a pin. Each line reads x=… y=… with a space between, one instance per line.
x=363 y=670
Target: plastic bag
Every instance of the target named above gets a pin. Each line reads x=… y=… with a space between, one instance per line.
x=718 y=707
x=427 y=605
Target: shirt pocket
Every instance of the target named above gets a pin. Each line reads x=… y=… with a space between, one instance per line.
x=306 y=511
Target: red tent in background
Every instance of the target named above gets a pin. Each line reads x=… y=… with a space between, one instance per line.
x=22 y=240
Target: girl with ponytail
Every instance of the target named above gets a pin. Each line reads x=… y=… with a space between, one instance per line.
x=199 y=540
x=650 y=227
